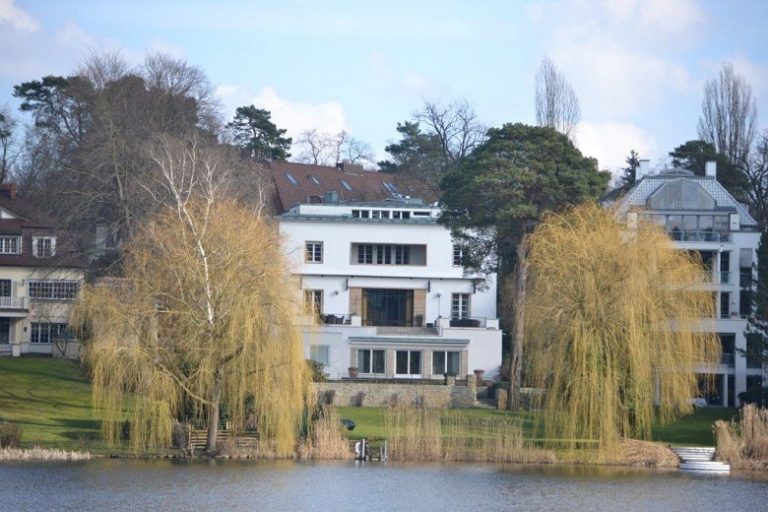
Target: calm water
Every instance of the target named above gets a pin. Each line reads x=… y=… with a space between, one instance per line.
x=337 y=486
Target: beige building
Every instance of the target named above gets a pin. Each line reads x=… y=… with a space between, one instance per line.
x=41 y=273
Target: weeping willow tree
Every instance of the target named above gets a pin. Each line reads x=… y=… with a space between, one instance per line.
x=614 y=327
x=203 y=320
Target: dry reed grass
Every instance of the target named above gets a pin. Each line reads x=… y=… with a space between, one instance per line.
x=8 y=454
x=744 y=445
x=444 y=436
x=326 y=438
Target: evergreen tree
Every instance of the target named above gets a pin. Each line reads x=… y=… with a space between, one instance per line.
x=259 y=138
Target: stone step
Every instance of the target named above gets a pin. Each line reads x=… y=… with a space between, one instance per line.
x=708 y=467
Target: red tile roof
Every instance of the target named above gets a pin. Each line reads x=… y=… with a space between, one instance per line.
x=31 y=222
x=304 y=183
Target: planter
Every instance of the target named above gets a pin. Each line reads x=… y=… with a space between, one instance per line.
x=353 y=372
x=479 y=376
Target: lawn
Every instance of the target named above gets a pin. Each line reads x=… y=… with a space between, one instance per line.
x=695 y=429
x=50 y=399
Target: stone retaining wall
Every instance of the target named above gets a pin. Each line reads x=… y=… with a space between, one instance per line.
x=383 y=394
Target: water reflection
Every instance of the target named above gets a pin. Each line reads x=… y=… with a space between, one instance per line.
x=286 y=485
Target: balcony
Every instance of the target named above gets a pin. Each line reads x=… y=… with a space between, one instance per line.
x=13 y=303
x=699 y=236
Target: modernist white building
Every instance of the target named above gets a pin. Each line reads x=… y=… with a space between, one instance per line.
x=387 y=291
x=702 y=217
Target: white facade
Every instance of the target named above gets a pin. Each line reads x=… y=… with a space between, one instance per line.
x=390 y=295
x=702 y=217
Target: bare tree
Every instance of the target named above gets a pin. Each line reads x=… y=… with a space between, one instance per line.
x=728 y=115
x=456 y=127
x=8 y=152
x=322 y=148
x=756 y=172
x=556 y=103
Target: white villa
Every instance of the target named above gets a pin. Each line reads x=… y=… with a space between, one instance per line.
x=702 y=217
x=387 y=292
x=41 y=272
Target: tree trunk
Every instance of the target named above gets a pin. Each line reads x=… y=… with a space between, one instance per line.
x=518 y=329
x=213 y=416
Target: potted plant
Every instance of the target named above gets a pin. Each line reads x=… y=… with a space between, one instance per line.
x=353 y=372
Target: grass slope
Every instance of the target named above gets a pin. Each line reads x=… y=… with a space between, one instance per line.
x=49 y=399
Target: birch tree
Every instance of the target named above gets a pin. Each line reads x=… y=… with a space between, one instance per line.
x=204 y=315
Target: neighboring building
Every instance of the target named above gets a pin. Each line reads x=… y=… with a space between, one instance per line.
x=41 y=272
x=702 y=217
x=387 y=293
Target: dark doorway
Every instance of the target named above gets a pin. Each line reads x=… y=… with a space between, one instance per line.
x=388 y=307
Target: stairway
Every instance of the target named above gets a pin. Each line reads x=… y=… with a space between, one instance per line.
x=699 y=459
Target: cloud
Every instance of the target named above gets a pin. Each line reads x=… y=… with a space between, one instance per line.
x=17 y=17
x=610 y=142
x=294 y=116
x=614 y=80
x=666 y=16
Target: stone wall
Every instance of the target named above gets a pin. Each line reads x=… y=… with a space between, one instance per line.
x=348 y=393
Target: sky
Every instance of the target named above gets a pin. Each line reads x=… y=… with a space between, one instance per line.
x=638 y=67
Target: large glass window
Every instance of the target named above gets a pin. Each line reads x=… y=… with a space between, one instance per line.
x=445 y=362
x=365 y=253
x=458 y=255
x=47 y=332
x=370 y=361
x=408 y=362
x=53 y=290
x=381 y=254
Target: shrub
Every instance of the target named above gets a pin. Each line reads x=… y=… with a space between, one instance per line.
x=10 y=435
x=316 y=370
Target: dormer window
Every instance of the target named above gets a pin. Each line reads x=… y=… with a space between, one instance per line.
x=43 y=246
x=10 y=245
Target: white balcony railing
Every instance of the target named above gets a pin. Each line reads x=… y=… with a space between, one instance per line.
x=13 y=303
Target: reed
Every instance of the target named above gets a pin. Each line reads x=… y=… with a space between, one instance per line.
x=744 y=445
x=325 y=439
x=8 y=454
x=417 y=434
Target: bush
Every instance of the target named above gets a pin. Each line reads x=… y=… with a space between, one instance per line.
x=10 y=435
x=316 y=370
x=758 y=396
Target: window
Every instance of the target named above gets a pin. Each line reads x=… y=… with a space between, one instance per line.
x=291 y=179
x=445 y=362
x=460 y=305
x=365 y=253
x=725 y=304
x=313 y=301
x=47 y=332
x=6 y=288
x=458 y=255
x=10 y=245
x=399 y=214
x=53 y=290
x=383 y=254
x=321 y=354
x=408 y=362
x=370 y=361
x=361 y=214
x=43 y=246
x=402 y=254
x=346 y=185
x=313 y=252
x=314 y=180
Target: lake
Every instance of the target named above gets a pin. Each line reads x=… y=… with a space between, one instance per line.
x=112 y=484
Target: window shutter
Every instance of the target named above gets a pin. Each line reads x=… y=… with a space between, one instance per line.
x=53 y=246
x=34 y=246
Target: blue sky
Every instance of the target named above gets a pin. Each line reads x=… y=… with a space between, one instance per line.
x=637 y=66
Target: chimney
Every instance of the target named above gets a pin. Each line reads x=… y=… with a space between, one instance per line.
x=9 y=189
x=331 y=197
x=643 y=169
x=710 y=169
